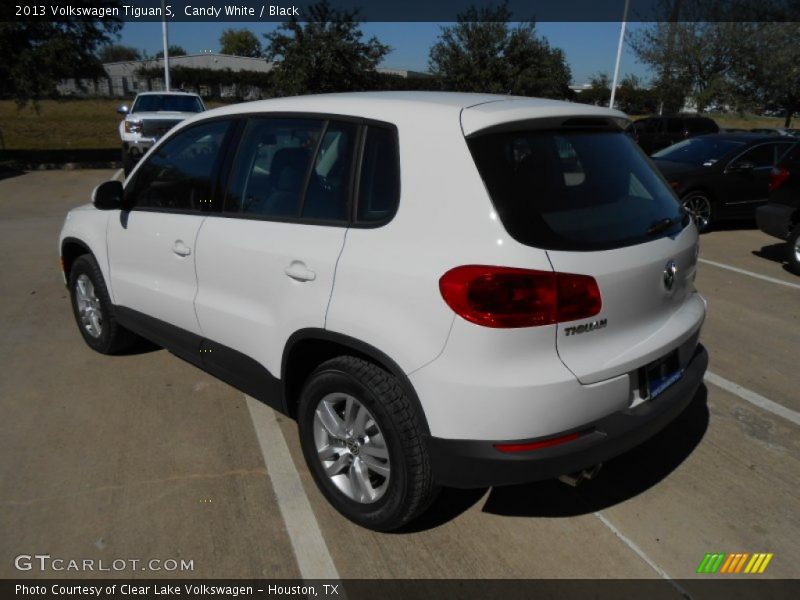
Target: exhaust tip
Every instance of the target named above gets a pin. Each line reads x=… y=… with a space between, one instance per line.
x=575 y=479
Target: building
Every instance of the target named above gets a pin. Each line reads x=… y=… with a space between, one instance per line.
x=123 y=79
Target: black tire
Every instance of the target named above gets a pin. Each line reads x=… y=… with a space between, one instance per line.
x=793 y=250
x=112 y=338
x=691 y=197
x=409 y=489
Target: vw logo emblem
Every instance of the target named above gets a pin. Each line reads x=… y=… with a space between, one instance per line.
x=670 y=271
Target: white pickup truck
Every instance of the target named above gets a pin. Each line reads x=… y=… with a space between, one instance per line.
x=150 y=116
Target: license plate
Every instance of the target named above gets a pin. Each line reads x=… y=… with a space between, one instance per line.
x=661 y=374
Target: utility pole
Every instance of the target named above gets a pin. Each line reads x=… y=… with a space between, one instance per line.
x=165 y=37
x=619 y=54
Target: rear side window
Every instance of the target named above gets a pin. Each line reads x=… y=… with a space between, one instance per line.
x=178 y=175
x=575 y=190
x=329 y=184
x=379 y=185
x=674 y=125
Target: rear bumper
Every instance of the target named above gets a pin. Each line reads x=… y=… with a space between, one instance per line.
x=471 y=464
x=773 y=219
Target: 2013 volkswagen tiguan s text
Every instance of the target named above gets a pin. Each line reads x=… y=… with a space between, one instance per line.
x=442 y=289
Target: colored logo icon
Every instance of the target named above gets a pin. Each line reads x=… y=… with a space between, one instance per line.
x=741 y=562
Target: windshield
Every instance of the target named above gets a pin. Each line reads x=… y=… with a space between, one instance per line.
x=167 y=102
x=575 y=190
x=703 y=151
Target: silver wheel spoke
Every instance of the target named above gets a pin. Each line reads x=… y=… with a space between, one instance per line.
x=350 y=409
x=359 y=479
x=375 y=448
x=330 y=420
x=328 y=452
x=338 y=466
x=374 y=465
x=360 y=424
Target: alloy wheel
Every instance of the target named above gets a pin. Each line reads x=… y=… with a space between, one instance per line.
x=351 y=448
x=89 y=308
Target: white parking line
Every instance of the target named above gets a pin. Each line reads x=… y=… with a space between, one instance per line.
x=750 y=273
x=641 y=553
x=119 y=175
x=310 y=550
x=753 y=398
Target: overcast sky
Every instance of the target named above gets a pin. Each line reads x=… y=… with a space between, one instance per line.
x=589 y=47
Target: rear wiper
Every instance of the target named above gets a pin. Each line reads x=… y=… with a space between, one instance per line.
x=661 y=225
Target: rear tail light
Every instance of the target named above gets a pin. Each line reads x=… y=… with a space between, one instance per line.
x=777 y=177
x=504 y=297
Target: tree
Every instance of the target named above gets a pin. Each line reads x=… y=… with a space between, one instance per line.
x=35 y=55
x=324 y=54
x=482 y=53
x=116 y=53
x=240 y=42
x=173 y=51
x=769 y=72
x=600 y=92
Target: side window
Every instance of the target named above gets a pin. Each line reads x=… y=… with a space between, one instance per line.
x=328 y=189
x=271 y=166
x=179 y=174
x=698 y=126
x=763 y=156
x=674 y=125
x=379 y=185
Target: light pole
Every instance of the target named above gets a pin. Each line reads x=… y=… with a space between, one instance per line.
x=165 y=37
x=619 y=54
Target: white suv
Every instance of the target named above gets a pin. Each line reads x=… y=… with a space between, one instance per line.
x=443 y=289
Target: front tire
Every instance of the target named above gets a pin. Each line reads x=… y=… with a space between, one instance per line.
x=793 y=250
x=699 y=206
x=93 y=310
x=363 y=443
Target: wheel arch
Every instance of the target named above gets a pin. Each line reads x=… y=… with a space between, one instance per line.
x=71 y=249
x=306 y=349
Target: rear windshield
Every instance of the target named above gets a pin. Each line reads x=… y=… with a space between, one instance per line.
x=698 y=151
x=575 y=190
x=155 y=103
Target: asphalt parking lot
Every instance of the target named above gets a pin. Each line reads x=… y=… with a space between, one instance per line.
x=146 y=457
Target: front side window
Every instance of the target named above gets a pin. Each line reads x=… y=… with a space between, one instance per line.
x=179 y=174
x=271 y=167
x=575 y=190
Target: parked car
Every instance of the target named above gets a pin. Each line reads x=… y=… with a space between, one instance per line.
x=781 y=216
x=513 y=296
x=721 y=176
x=150 y=116
x=775 y=131
x=655 y=133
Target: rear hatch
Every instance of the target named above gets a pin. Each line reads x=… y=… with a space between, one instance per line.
x=582 y=190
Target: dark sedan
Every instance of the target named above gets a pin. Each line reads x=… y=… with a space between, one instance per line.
x=721 y=176
x=781 y=216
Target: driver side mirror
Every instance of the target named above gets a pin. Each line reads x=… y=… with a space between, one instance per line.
x=108 y=195
x=123 y=109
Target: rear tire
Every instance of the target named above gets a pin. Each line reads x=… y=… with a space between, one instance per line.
x=793 y=250
x=699 y=205
x=93 y=310
x=362 y=440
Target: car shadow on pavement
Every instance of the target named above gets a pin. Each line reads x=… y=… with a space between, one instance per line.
x=775 y=253
x=140 y=346
x=620 y=479
x=733 y=225
x=6 y=172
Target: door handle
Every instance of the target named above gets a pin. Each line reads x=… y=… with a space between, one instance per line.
x=300 y=272
x=181 y=249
